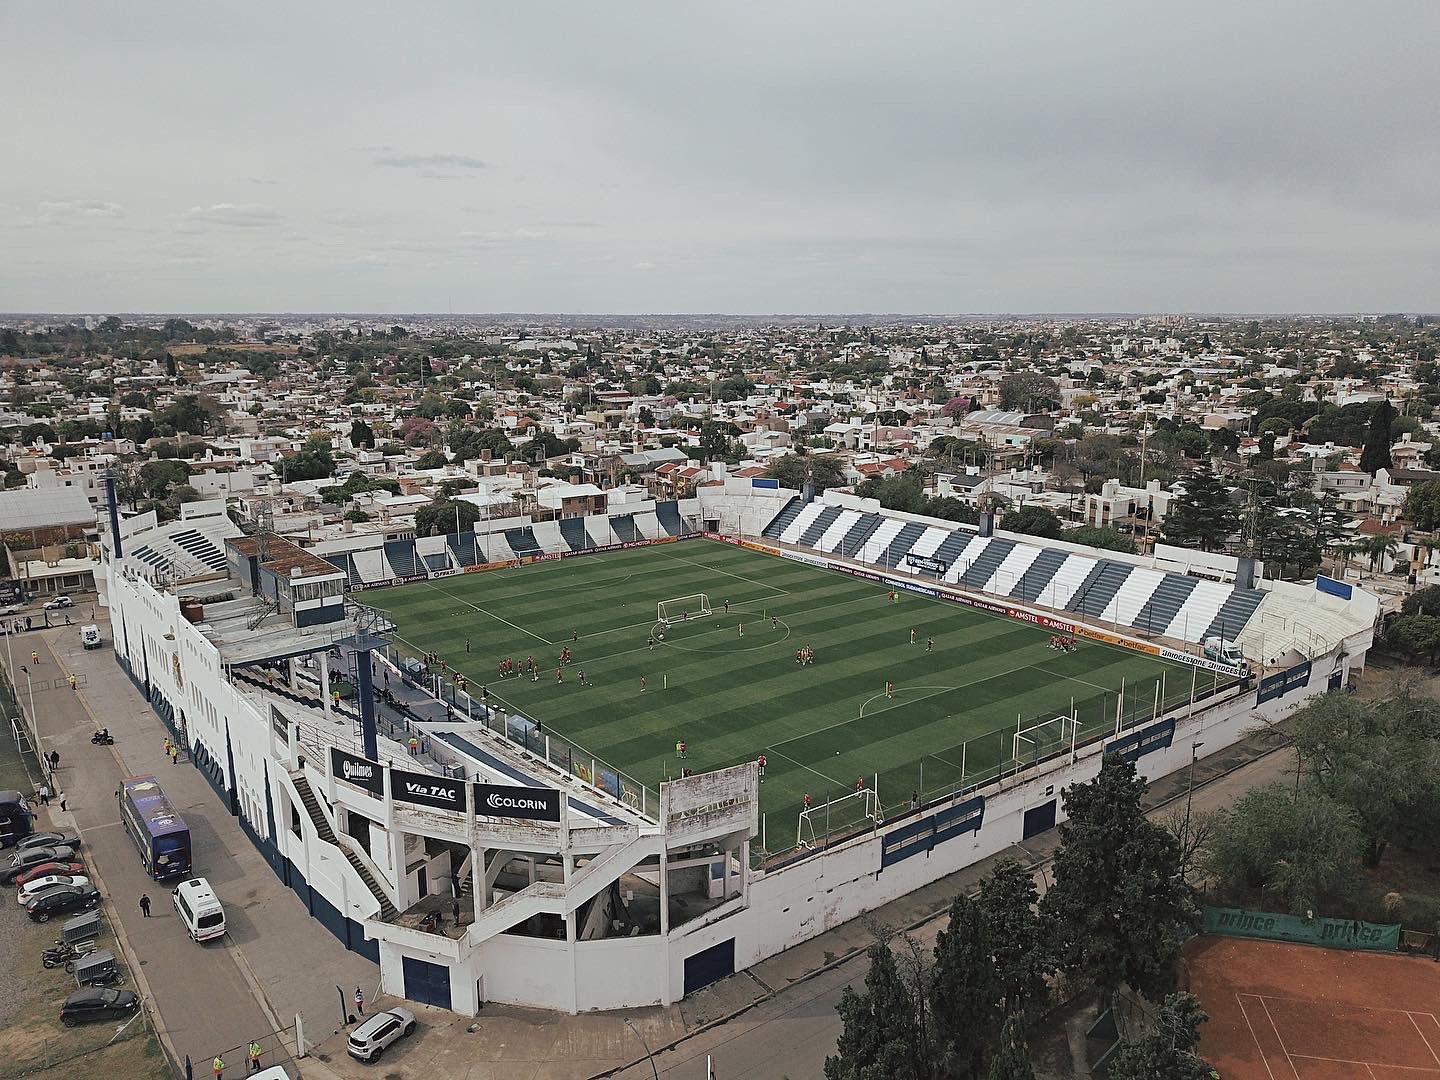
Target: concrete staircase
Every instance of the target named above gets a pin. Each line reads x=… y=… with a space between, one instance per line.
x=388 y=911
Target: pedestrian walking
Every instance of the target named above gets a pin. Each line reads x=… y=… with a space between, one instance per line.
x=145 y=905
x=34 y=657
x=254 y=1056
x=166 y=745
x=62 y=801
x=414 y=746
x=218 y=1067
x=174 y=754
x=54 y=759
x=359 y=1001
x=44 y=794
x=71 y=680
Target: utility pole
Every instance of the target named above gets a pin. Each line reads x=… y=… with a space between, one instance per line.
x=1189 y=794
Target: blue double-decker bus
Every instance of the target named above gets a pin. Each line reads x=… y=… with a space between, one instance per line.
x=158 y=831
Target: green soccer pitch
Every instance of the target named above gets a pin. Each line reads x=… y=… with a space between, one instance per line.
x=730 y=686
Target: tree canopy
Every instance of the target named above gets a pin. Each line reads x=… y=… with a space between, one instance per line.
x=792 y=470
x=1204 y=516
x=1119 y=908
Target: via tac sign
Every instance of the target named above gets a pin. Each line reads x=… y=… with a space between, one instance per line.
x=427 y=789
x=362 y=772
x=531 y=803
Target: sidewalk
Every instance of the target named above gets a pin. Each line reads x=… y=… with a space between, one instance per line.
x=275 y=960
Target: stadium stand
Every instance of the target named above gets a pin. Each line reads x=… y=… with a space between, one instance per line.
x=898 y=548
x=403 y=558
x=370 y=566
x=623 y=526
x=436 y=563
x=649 y=526
x=522 y=541
x=668 y=514
x=462 y=548
x=572 y=531
x=859 y=534
x=783 y=519
x=343 y=561
x=1146 y=598
x=200 y=547
x=548 y=536
x=819 y=526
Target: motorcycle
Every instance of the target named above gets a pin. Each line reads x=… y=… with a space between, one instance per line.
x=103 y=738
x=62 y=955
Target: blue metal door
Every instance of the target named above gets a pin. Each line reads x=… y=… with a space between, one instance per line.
x=708 y=965
x=425 y=982
x=1038 y=819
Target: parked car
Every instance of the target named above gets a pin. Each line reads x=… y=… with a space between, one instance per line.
x=47 y=869
x=64 y=900
x=48 y=839
x=32 y=857
x=97 y=1003
x=58 y=603
x=35 y=887
x=374 y=1035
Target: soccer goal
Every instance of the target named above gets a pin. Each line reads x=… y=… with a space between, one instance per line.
x=837 y=815
x=1046 y=737
x=681 y=608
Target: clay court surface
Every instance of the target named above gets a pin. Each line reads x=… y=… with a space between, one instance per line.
x=1298 y=1012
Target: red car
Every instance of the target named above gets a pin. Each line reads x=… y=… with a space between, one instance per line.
x=45 y=869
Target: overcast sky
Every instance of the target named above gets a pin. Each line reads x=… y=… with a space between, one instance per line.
x=783 y=156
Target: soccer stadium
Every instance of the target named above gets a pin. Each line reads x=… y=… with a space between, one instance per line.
x=523 y=763
x=970 y=694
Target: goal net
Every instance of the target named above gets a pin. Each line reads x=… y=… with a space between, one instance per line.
x=837 y=815
x=1046 y=737
x=681 y=608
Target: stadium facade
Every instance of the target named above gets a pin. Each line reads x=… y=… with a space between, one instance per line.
x=576 y=890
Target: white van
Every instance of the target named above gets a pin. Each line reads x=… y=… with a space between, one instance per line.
x=1227 y=652
x=90 y=637
x=199 y=909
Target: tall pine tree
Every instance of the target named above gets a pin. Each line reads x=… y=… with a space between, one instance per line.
x=1204 y=516
x=1012 y=1056
x=1376 y=453
x=881 y=1039
x=1119 y=909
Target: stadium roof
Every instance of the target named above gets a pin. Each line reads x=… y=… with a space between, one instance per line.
x=43 y=508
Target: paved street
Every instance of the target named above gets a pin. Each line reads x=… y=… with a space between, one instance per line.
x=208 y=996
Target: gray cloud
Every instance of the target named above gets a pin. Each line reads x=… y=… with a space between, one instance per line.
x=820 y=155
x=234 y=215
x=430 y=161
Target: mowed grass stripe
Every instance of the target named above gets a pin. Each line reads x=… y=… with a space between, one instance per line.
x=731 y=697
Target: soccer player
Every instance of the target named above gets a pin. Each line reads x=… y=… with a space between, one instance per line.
x=559 y=675
x=859 y=783
x=727 y=607
x=912 y=635
x=774 y=623
x=760 y=761
x=680 y=748
x=889 y=689
x=807 y=800
x=651 y=643
x=500 y=667
x=930 y=644
x=575 y=635
x=581 y=676
x=742 y=628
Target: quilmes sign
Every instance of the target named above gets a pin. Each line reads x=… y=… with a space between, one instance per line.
x=362 y=772
x=427 y=789
x=533 y=804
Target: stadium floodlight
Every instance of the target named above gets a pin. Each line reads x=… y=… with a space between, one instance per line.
x=682 y=608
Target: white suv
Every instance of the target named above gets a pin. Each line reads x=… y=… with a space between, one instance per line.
x=382 y=1029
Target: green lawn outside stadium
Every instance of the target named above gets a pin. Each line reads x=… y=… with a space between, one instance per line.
x=734 y=695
